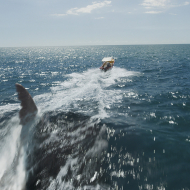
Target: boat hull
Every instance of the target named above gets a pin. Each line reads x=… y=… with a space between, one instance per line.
x=106 y=69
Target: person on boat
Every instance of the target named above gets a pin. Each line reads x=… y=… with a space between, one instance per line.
x=109 y=64
x=104 y=65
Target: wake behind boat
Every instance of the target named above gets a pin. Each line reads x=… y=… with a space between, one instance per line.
x=108 y=63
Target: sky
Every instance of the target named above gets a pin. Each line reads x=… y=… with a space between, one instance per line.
x=87 y=22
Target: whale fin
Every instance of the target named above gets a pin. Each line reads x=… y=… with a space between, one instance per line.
x=29 y=109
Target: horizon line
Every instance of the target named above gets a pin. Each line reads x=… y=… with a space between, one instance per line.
x=93 y=45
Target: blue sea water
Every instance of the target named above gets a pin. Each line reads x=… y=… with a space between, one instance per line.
x=127 y=128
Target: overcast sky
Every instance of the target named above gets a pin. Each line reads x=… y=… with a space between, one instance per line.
x=88 y=22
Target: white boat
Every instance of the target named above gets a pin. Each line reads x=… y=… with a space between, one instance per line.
x=108 y=63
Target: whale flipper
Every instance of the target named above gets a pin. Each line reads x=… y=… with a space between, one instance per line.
x=29 y=109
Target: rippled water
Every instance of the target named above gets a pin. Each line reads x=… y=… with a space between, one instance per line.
x=127 y=128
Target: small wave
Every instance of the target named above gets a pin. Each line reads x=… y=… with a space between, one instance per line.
x=8 y=108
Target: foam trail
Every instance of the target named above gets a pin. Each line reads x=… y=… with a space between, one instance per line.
x=9 y=147
x=12 y=173
x=90 y=86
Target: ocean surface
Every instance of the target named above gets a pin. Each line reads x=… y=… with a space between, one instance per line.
x=124 y=129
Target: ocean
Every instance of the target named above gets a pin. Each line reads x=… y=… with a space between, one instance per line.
x=124 y=129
